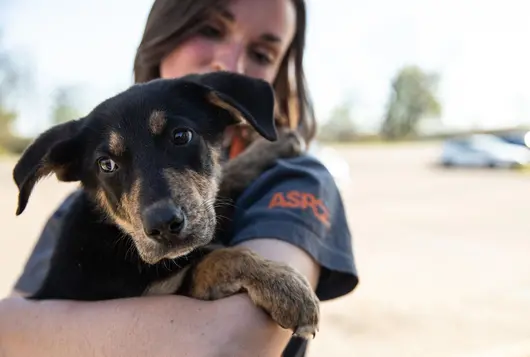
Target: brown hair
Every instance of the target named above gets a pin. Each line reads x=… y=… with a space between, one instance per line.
x=170 y=22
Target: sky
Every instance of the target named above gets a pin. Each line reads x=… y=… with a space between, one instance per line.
x=354 y=49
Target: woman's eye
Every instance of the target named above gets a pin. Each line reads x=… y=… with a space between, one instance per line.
x=262 y=58
x=107 y=165
x=210 y=32
x=182 y=136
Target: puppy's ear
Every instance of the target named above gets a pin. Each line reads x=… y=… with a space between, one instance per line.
x=58 y=150
x=241 y=98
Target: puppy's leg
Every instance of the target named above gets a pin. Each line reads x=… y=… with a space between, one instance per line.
x=239 y=172
x=280 y=290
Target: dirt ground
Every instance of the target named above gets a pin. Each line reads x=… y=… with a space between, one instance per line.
x=443 y=256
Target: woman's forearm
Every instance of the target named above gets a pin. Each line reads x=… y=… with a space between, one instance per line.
x=148 y=326
x=111 y=328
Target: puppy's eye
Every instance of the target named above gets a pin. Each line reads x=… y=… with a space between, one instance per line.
x=107 y=165
x=182 y=136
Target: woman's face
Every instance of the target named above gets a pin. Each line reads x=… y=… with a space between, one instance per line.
x=249 y=37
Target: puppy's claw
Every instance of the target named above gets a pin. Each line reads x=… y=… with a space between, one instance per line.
x=306 y=332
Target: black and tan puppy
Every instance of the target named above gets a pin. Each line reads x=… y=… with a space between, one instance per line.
x=148 y=163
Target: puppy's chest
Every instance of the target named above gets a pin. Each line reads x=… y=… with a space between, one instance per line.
x=169 y=284
x=120 y=279
x=106 y=268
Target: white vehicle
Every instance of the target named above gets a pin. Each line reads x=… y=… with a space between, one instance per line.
x=483 y=150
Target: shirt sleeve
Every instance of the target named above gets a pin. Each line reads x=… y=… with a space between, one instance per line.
x=38 y=263
x=297 y=201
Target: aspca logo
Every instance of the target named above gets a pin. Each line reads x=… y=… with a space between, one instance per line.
x=301 y=200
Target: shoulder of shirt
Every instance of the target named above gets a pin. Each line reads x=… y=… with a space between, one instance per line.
x=304 y=165
x=302 y=171
x=293 y=184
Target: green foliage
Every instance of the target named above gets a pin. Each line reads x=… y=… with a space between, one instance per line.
x=6 y=120
x=340 y=126
x=412 y=99
x=10 y=80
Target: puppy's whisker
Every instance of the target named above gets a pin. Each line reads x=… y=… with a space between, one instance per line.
x=221 y=217
x=223 y=201
x=175 y=263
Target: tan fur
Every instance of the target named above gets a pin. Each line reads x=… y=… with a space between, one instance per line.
x=197 y=186
x=198 y=193
x=127 y=211
x=215 y=100
x=116 y=144
x=216 y=157
x=130 y=205
x=277 y=288
x=46 y=169
x=157 y=122
x=103 y=203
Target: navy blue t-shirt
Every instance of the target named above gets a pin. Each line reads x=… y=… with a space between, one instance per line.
x=296 y=201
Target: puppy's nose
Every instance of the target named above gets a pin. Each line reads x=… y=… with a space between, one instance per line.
x=163 y=221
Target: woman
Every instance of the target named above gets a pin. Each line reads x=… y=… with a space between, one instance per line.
x=259 y=38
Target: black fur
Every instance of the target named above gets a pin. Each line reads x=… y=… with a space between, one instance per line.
x=94 y=259
x=91 y=262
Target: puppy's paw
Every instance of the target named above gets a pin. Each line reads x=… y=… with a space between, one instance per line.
x=289 y=144
x=289 y=299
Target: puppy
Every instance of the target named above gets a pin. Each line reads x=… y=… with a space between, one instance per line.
x=148 y=162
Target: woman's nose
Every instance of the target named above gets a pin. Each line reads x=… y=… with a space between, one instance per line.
x=229 y=58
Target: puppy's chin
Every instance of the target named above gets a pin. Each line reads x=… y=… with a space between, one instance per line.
x=152 y=252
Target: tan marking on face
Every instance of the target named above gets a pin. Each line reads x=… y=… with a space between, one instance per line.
x=103 y=203
x=157 y=122
x=187 y=185
x=116 y=144
x=130 y=204
x=194 y=185
x=196 y=194
x=126 y=215
x=215 y=100
x=110 y=213
x=216 y=158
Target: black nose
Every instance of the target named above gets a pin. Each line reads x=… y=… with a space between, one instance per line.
x=163 y=220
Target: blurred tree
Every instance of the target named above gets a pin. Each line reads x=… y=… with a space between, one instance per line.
x=412 y=99
x=340 y=125
x=9 y=79
x=6 y=120
x=65 y=107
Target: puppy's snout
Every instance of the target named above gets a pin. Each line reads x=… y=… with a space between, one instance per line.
x=163 y=221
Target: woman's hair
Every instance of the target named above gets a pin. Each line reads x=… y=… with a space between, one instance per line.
x=171 y=22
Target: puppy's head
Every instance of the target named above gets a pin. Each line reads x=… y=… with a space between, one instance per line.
x=149 y=157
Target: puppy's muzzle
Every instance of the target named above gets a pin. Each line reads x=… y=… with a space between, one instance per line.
x=164 y=222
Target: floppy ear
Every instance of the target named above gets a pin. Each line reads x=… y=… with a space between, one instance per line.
x=57 y=150
x=242 y=98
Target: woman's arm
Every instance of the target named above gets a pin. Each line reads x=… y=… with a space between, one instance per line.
x=154 y=326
